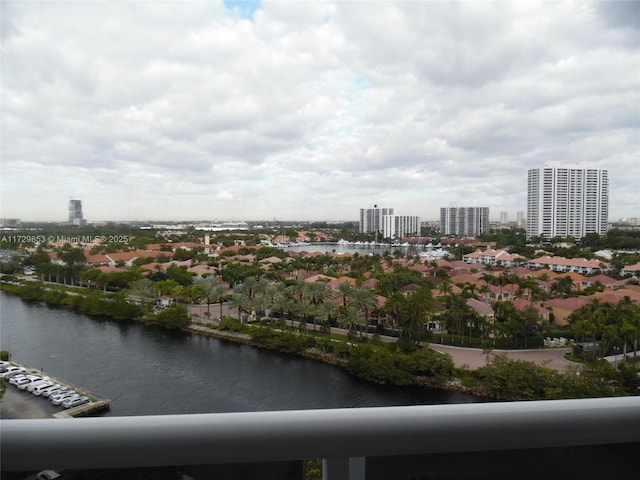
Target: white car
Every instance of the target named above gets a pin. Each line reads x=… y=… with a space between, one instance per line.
x=44 y=392
x=37 y=383
x=61 y=398
x=11 y=371
x=38 y=389
x=55 y=391
x=16 y=378
x=61 y=393
x=75 y=401
x=32 y=381
x=27 y=380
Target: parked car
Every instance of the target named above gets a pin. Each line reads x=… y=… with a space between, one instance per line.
x=62 y=393
x=48 y=475
x=11 y=371
x=35 y=379
x=55 y=391
x=20 y=376
x=20 y=380
x=75 y=401
x=37 y=389
x=45 y=391
x=35 y=383
x=61 y=398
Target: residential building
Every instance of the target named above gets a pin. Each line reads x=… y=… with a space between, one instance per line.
x=399 y=226
x=494 y=257
x=464 y=221
x=567 y=202
x=561 y=264
x=75 y=213
x=371 y=219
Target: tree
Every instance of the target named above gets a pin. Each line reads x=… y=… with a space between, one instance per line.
x=327 y=311
x=345 y=290
x=316 y=294
x=562 y=286
x=174 y=317
x=363 y=299
x=416 y=313
x=179 y=275
x=241 y=302
x=280 y=304
x=349 y=318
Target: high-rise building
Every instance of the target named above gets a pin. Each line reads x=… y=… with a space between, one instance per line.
x=371 y=219
x=75 y=213
x=464 y=221
x=567 y=202
x=520 y=220
x=398 y=226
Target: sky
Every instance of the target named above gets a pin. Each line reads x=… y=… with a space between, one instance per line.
x=311 y=110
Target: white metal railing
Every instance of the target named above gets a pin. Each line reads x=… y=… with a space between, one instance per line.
x=333 y=434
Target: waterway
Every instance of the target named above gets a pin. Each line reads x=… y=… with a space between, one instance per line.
x=151 y=371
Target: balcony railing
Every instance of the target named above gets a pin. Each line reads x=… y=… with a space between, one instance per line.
x=335 y=435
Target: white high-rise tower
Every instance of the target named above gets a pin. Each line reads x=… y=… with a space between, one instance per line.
x=567 y=202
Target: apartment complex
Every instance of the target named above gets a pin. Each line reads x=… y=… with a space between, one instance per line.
x=464 y=221
x=399 y=226
x=371 y=219
x=567 y=202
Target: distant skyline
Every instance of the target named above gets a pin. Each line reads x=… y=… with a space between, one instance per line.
x=311 y=110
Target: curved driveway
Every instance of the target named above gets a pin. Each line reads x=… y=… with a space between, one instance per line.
x=474 y=358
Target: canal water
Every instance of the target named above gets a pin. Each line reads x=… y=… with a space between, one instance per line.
x=151 y=371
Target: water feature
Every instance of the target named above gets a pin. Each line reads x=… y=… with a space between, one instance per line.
x=148 y=371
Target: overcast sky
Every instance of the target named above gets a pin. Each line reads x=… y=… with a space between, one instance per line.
x=311 y=110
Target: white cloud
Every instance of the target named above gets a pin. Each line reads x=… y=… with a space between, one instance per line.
x=310 y=110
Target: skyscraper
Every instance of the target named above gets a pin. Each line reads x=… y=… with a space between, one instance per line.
x=371 y=219
x=567 y=202
x=398 y=226
x=464 y=221
x=75 y=213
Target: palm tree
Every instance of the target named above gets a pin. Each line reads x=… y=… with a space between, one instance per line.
x=316 y=294
x=345 y=290
x=326 y=312
x=280 y=304
x=364 y=300
x=304 y=309
x=250 y=284
x=296 y=291
x=219 y=295
x=394 y=306
x=240 y=301
x=446 y=287
x=485 y=290
x=349 y=318
x=206 y=294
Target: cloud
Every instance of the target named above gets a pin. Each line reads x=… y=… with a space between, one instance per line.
x=310 y=110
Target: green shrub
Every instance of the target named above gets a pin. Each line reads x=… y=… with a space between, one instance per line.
x=233 y=325
x=380 y=366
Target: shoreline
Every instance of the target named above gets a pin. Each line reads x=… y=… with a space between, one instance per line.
x=454 y=385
